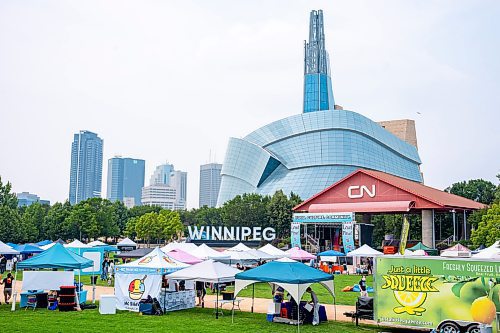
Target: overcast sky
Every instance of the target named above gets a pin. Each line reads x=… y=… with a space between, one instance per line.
x=173 y=80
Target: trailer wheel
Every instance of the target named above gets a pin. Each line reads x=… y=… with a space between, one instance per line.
x=449 y=327
x=473 y=329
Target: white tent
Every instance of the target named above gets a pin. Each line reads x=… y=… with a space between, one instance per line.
x=492 y=252
x=48 y=246
x=207 y=271
x=206 y=252
x=261 y=255
x=364 y=251
x=270 y=249
x=239 y=247
x=5 y=249
x=126 y=242
x=96 y=243
x=186 y=247
x=155 y=259
x=457 y=250
x=76 y=244
x=240 y=256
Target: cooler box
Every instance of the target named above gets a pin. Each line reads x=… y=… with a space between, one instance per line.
x=107 y=304
x=273 y=308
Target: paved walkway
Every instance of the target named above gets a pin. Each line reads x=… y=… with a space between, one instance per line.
x=260 y=304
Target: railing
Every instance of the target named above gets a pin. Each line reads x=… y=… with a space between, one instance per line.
x=312 y=245
x=446 y=241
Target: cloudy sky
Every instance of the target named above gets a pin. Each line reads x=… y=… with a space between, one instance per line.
x=173 y=80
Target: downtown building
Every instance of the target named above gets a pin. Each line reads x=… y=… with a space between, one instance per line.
x=125 y=180
x=25 y=199
x=210 y=178
x=308 y=152
x=167 y=188
x=86 y=167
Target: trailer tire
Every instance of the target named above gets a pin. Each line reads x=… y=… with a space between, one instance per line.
x=449 y=327
x=474 y=328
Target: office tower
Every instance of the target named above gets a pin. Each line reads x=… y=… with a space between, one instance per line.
x=209 y=184
x=318 y=92
x=27 y=199
x=125 y=180
x=86 y=167
x=168 y=188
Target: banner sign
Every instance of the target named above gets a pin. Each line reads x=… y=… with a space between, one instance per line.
x=404 y=235
x=441 y=294
x=131 y=288
x=295 y=235
x=348 y=236
x=323 y=217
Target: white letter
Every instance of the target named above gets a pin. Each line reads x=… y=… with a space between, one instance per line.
x=228 y=235
x=245 y=231
x=270 y=236
x=238 y=233
x=216 y=233
x=195 y=234
x=256 y=233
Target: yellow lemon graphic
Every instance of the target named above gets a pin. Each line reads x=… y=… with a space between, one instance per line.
x=483 y=310
x=411 y=302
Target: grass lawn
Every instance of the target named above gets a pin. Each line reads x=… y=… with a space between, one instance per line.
x=193 y=320
x=263 y=290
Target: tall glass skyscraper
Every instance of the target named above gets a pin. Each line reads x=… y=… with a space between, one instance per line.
x=86 y=167
x=125 y=180
x=168 y=188
x=318 y=92
x=209 y=184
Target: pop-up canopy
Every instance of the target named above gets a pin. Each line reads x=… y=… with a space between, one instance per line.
x=206 y=252
x=186 y=247
x=492 y=252
x=364 y=251
x=184 y=257
x=28 y=249
x=297 y=253
x=457 y=250
x=420 y=246
x=56 y=257
x=331 y=253
x=207 y=271
x=155 y=262
x=239 y=247
x=5 y=249
x=270 y=249
x=76 y=244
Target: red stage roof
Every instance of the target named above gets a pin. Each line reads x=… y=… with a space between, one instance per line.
x=394 y=194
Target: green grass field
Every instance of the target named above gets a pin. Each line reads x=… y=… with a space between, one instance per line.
x=193 y=320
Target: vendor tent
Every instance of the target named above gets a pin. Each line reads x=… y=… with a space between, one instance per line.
x=364 y=251
x=261 y=255
x=96 y=243
x=297 y=253
x=5 y=249
x=44 y=242
x=56 y=257
x=142 y=278
x=184 y=257
x=492 y=252
x=331 y=253
x=206 y=252
x=76 y=244
x=457 y=250
x=239 y=247
x=28 y=249
x=126 y=244
x=134 y=254
x=240 y=256
x=268 y=248
x=420 y=246
x=48 y=246
x=186 y=247
x=293 y=276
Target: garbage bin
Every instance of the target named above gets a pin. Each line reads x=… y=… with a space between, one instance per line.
x=107 y=304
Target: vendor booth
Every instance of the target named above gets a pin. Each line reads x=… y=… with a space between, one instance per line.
x=186 y=247
x=292 y=276
x=457 y=251
x=270 y=249
x=429 y=250
x=208 y=271
x=492 y=252
x=297 y=253
x=143 y=277
x=37 y=282
x=184 y=257
x=5 y=249
x=206 y=252
x=330 y=262
x=126 y=245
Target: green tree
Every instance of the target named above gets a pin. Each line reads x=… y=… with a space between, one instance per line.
x=488 y=230
x=33 y=221
x=247 y=210
x=149 y=226
x=279 y=211
x=82 y=221
x=130 y=229
x=7 y=199
x=54 y=225
x=479 y=190
x=121 y=216
x=208 y=216
x=497 y=192
x=10 y=225
x=172 y=226
x=138 y=211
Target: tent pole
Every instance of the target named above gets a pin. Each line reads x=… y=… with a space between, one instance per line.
x=253 y=294
x=217 y=304
x=93 y=285
x=298 y=310
x=14 y=296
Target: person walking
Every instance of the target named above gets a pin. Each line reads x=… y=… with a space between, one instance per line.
x=315 y=304
x=7 y=289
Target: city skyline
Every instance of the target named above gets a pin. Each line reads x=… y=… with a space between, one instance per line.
x=115 y=71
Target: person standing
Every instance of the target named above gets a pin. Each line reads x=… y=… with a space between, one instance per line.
x=7 y=289
x=362 y=287
x=3 y=264
x=201 y=292
x=315 y=304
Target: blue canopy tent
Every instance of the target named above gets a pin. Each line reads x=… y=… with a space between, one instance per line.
x=295 y=277
x=331 y=253
x=57 y=257
x=44 y=242
x=28 y=249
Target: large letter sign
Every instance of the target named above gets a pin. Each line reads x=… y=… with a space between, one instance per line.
x=357 y=192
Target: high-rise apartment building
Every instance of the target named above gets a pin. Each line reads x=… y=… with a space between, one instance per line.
x=168 y=188
x=86 y=167
x=125 y=180
x=209 y=184
x=27 y=199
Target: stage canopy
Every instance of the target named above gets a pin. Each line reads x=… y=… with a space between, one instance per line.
x=56 y=257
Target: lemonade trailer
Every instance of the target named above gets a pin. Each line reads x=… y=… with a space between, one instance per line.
x=449 y=295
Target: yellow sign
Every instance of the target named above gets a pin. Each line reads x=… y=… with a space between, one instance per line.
x=404 y=235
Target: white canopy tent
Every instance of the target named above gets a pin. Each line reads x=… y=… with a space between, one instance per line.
x=126 y=243
x=76 y=244
x=270 y=249
x=206 y=252
x=48 y=246
x=239 y=247
x=492 y=252
x=261 y=255
x=96 y=243
x=186 y=247
x=364 y=251
x=457 y=250
x=5 y=249
x=240 y=255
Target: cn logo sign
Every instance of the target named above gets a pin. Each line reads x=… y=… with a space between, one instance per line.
x=356 y=191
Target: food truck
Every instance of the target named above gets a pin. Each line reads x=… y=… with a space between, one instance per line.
x=449 y=295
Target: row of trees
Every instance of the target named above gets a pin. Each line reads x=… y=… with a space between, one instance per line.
x=94 y=218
